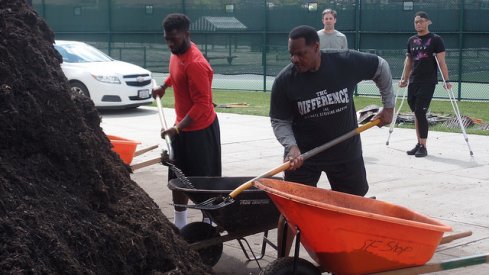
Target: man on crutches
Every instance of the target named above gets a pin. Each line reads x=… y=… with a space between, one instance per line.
x=420 y=70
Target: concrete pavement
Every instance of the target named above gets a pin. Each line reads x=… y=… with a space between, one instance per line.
x=448 y=185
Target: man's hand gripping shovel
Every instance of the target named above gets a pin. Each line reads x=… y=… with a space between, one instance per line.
x=219 y=202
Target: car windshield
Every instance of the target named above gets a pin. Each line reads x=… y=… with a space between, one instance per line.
x=81 y=53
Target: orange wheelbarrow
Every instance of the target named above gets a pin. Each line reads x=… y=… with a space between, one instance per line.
x=347 y=234
x=126 y=148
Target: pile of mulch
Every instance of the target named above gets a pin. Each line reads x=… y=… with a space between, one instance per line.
x=67 y=203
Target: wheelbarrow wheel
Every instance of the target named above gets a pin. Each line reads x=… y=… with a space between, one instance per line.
x=200 y=231
x=285 y=266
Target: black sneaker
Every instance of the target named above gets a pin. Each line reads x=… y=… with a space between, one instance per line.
x=414 y=150
x=422 y=152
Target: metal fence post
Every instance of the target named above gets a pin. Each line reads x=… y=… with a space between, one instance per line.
x=357 y=25
x=357 y=32
x=109 y=26
x=144 y=53
x=43 y=3
x=460 y=47
x=265 y=48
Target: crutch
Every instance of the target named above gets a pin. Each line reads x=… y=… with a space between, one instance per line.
x=393 y=123
x=453 y=101
x=164 y=126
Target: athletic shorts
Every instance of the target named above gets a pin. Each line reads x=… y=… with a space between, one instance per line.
x=198 y=153
x=420 y=95
x=349 y=177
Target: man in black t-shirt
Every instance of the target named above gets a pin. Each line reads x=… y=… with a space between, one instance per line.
x=421 y=69
x=312 y=103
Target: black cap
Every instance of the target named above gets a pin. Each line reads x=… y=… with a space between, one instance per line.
x=422 y=14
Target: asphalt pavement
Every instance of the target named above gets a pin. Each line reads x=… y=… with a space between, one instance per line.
x=449 y=184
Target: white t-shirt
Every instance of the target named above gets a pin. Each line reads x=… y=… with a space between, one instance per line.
x=334 y=40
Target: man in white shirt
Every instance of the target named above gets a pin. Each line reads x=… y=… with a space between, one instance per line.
x=329 y=38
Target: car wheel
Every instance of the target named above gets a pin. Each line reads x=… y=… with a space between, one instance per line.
x=79 y=88
x=200 y=231
x=285 y=266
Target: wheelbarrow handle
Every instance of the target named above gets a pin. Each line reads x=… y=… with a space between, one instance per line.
x=453 y=237
x=143 y=164
x=305 y=156
x=440 y=266
x=144 y=150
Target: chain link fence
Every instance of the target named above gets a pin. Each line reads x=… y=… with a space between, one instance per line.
x=245 y=41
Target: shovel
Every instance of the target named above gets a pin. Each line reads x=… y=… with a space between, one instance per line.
x=164 y=126
x=218 y=202
x=167 y=139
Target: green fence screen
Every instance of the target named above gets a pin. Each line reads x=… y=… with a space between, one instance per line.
x=247 y=39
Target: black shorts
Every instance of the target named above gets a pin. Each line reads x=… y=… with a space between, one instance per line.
x=198 y=153
x=420 y=95
x=349 y=177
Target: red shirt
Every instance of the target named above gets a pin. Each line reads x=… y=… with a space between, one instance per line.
x=191 y=79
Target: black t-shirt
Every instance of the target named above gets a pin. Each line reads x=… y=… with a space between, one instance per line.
x=320 y=104
x=421 y=50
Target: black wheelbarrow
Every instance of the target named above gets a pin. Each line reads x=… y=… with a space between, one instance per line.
x=252 y=212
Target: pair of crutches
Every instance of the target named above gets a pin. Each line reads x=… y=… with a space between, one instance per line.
x=453 y=101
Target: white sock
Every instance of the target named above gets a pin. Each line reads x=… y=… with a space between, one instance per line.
x=180 y=218
x=207 y=220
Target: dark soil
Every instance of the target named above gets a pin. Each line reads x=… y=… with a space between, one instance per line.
x=67 y=203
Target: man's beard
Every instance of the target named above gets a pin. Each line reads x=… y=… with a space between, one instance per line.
x=182 y=49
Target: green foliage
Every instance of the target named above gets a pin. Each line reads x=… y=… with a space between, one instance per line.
x=258 y=103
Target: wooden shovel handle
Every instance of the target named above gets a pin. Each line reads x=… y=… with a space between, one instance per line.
x=339 y=139
x=269 y=173
x=305 y=156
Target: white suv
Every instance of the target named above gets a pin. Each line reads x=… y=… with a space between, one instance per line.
x=109 y=83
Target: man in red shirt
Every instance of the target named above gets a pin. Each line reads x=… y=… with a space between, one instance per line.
x=196 y=141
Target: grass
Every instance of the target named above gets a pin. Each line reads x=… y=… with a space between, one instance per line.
x=259 y=104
